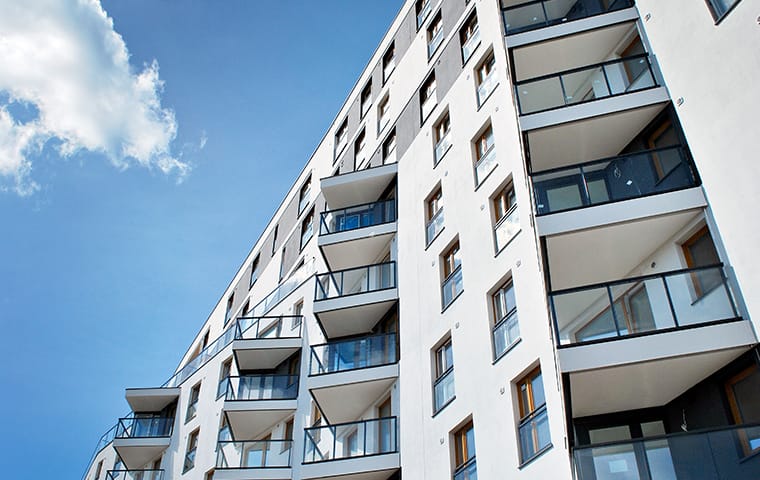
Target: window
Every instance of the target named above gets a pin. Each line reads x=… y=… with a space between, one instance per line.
x=452 y=275
x=224 y=374
x=423 y=9
x=699 y=251
x=227 y=313
x=485 y=155
x=117 y=465
x=382 y=113
x=283 y=257
x=287 y=434
x=225 y=435
x=316 y=421
x=434 y=215
x=486 y=78
x=443 y=383
x=297 y=312
x=506 y=331
x=534 y=423
x=434 y=35
x=246 y=308
x=719 y=8
x=442 y=138
x=389 y=62
x=307 y=228
x=274 y=239
x=98 y=470
x=661 y=137
x=469 y=36
x=360 y=155
x=304 y=195
x=366 y=99
x=506 y=221
x=192 y=405
x=632 y=314
x=389 y=148
x=743 y=390
x=254 y=270
x=192 y=446
x=428 y=99
x=341 y=138
x=464 y=453
x=204 y=342
x=386 y=428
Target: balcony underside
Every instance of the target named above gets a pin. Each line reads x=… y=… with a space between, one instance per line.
x=353 y=314
x=351 y=248
x=251 y=419
x=345 y=396
x=263 y=353
x=377 y=467
x=611 y=252
x=284 y=473
x=136 y=452
x=150 y=399
x=359 y=187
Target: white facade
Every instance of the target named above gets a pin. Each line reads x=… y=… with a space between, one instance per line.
x=584 y=157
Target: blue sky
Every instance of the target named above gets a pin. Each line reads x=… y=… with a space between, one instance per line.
x=130 y=191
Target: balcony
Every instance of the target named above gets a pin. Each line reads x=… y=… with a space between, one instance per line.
x=141 y=438
x=151 y=399
x=622 y=177
x=365 y=449
x=135 y=475
x=358 y=234
x=545 y=13
x=254 y=403
x=724 y=453
x=352 y=301
x=262 y=343
x=358 y=187
x=347 y=377
x=254 y=460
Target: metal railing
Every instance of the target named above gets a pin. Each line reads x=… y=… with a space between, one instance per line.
x=443 y=390
x=362 y=438
x=584 y=84
x=506 y=228
x=357 y=216
x=352 y=281
x=151 y=474
x=485 y=165
x=254 y=454
x=283 y=326
x=713 y=454
x=144 y=426
x=353 y=354
x=613 y=179
x=662 y=301
x=434 y=226
x=262 y=387
x=452 y=287
x=545 y=13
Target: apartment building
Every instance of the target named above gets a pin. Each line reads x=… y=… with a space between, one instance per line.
x=524 y=249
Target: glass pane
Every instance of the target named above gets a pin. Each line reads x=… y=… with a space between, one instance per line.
x=524 y=18
x=693 y=303
x=564 y=197
x=609 y=434
x=540 y=95
x=585 y=85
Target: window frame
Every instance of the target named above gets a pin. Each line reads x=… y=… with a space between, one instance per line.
x=467 y=32
x=440 y=135
x=718 y=17
x=341 y=139
x=307 y=227
x=226 y=367
x=304 y=195
x=699 y=289
x=192 y=449
x=365 y=100
x=386 y=151
x=462 y=457
x=389 y=62
x=525 y=415
x=254 y=270
x=192 y=402
x=735 y=409
x=500 y=304
x=428 y=93
x=434 y=29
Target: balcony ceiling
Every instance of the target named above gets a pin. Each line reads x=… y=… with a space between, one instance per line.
x=136 y=452
x=359 y=187
x=353 y=314
x=568 y=52
x=249 y=420
x=264 y=353
x=345 y=396
x=150 y=399
x=352 y=248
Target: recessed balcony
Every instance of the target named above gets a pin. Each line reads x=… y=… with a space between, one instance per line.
x=141 y=438
x=135 y=475
x=352 y=301
x=254 y=460
x=525 y=17
x=358 y=234
x=151 y=399
x=262 y=343
x=360 y=450
x=346 y=377
x=358 y=187
x=254 y=403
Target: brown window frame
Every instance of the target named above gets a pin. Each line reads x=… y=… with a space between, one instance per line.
x=736 y=411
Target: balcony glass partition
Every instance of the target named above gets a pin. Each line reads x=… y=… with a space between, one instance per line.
x=358 y=216
x=135 y=475
x=427 y=7
x=507 y=228
x=144 y=426
x=442 y=147
x=435 y=42
x=356 y=353
x=471 y=44
x=434 y=226
x=485 y=165
x=254 y=454
x=613 y=179
x=468 y=471
x=262 y=387
x=443 y=390
x=452 y=287
x=352 y=281
x=706 y=455
x=286 y=326
x=505 y=333
x=544 y=13
x=363 y=438
x=534 y=434
x=487 y=86
x=584 y=84
x=643 y=304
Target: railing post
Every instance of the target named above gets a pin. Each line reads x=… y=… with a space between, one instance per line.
x=670 y=300
x=612 y=309
x=606 y=80
x=724 y=280
x=562 y=89
x=546 y=15
x=586 y=194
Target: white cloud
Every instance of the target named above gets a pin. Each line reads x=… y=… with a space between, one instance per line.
x=64 y=58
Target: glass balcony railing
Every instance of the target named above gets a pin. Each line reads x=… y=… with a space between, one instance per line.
x=452 y=287
x=545 y=13
x=285 y=326
x=507 y=228
x=425 y=10
x=262 y=387
x=254 y=454
x=353 y=281
x=613 y=179
x=663 y=301
x=435 y=42
x=468 y=471
x=729 y=452
x=144 y=426
x=363 y=438
x=471 y=44
x=135 y=475
x=485 y=165
x=353 y=354
x=443 y=146
x=487 y=86
x=505 y=333
x=358 y=216
x=443 y=390
x=434 y=226
x=585 y=84
x=428 y=105
x=534 y=434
